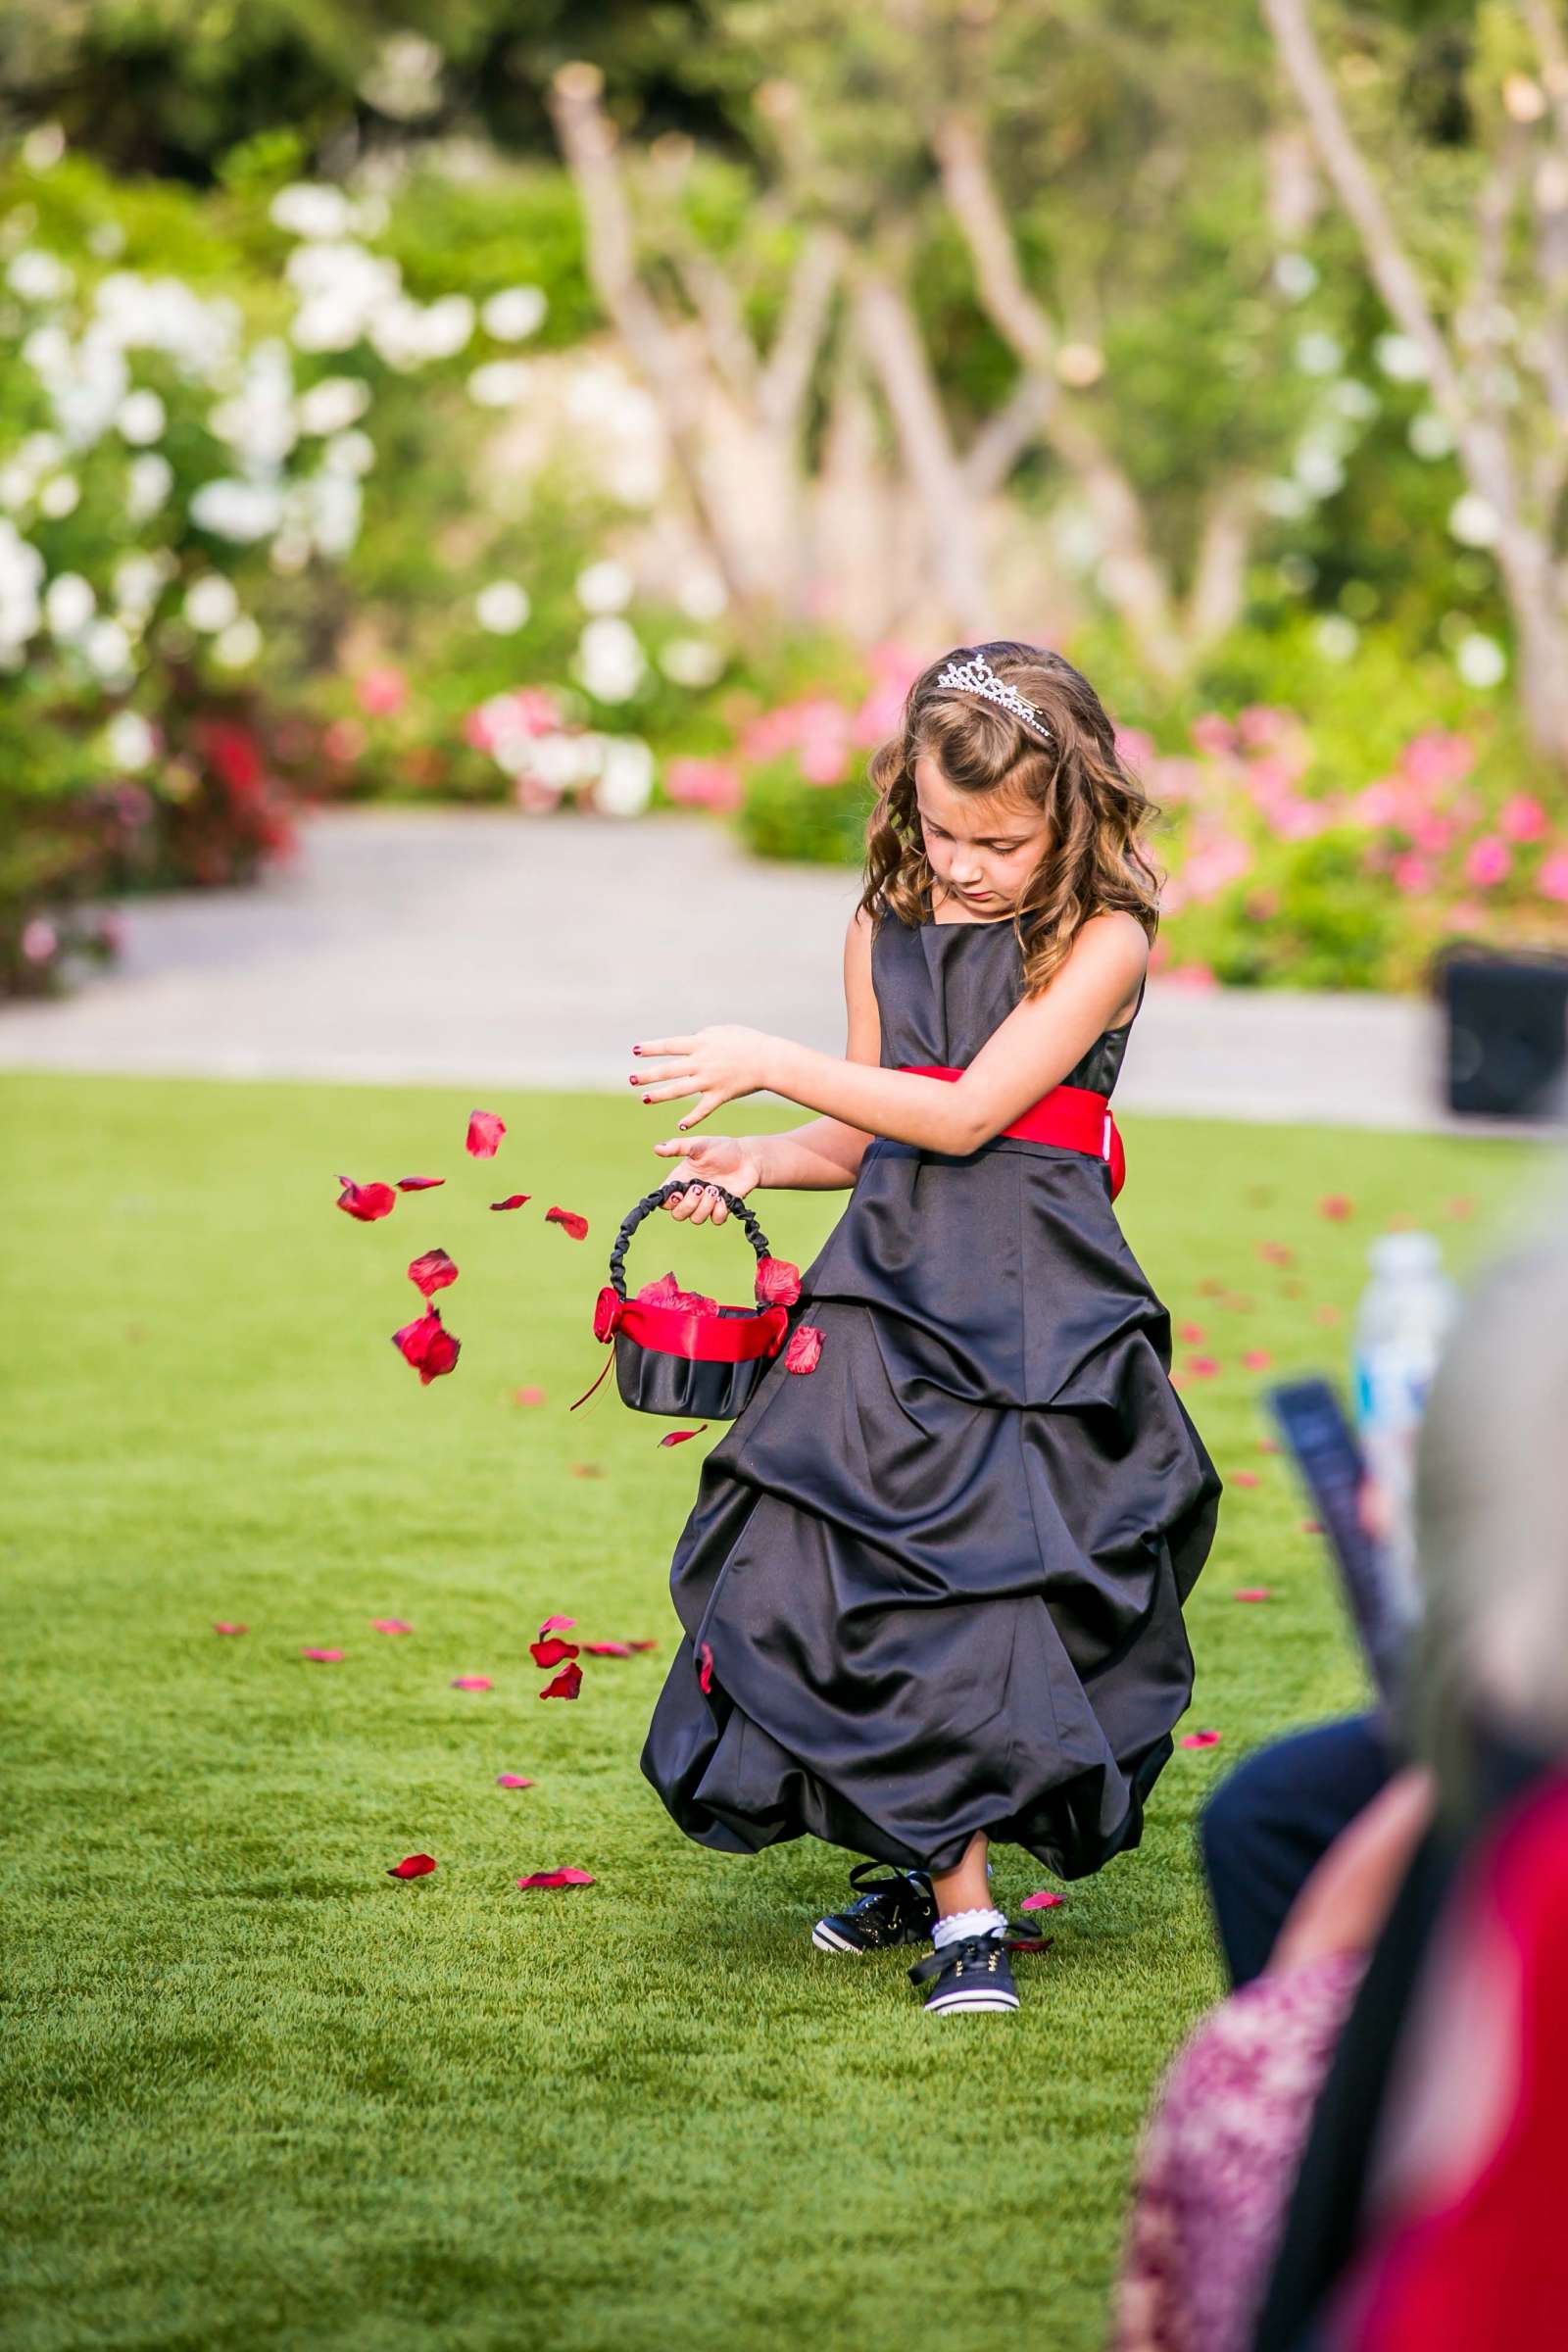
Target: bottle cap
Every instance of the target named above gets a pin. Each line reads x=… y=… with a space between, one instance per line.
x=1400 y=1254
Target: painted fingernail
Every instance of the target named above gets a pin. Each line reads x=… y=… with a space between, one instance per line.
x=646 y=1098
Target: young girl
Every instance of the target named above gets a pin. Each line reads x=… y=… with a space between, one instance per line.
x=932 y=1589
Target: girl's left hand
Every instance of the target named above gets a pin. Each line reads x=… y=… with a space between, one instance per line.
x=715 y=1064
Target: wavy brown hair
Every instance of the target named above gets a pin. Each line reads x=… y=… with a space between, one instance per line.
x=1097 y=808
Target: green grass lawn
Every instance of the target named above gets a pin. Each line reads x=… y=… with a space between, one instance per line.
x=262 y=2094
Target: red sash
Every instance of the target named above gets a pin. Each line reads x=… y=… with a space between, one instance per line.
x=1074 y=1117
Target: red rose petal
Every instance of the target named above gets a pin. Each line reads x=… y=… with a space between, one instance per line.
x=1191 y=1335
x=694 y=1303
x=705 y=1669
x=607 y=1649
x=1044 y=1901
x=805 y=1350
x=427 y=1345
x=556 y=1625
x=570 y=1222
x=412 y=1865
x=512 y=1201
x=513 y=1779
x=1255 y=1593
x=567 y=1684
x=419 y=1184
x=1462 y=1206
x=1335 y=1206
x=323 y=1657
x=678 y=1436
x=472 y=1682
x=552 y=1652
x=1312 y=1527
x=1243 y=1478
x=390 y=1625
x=1275 y=1253
x=661 y=1293
x=528 y=1395
x=778 y=1283
x=1258 y=1359
x=642 y=1646
x=1325 y=1315
x=1202 y=1367
x=1268 y=1444
x=555 y=1877
x=486 y=1131
x=1202 y=1739
x=222 y=1627
x=365 y=1202
x=586 y=1470
x=432 y=1272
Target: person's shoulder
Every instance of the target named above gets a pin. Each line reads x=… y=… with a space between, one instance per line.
x=1118 y=933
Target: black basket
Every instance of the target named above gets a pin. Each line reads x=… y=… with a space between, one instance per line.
x=676 y=1361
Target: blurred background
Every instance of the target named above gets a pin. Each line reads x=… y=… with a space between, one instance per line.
x=423 y=440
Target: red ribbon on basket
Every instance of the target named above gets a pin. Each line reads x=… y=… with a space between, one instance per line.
x=677 y=1331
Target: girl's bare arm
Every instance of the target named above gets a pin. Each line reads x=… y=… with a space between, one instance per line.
x=825 y=1154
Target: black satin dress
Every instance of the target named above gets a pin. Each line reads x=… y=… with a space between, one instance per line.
x=940 y=1579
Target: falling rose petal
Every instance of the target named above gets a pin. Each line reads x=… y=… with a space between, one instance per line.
x=642 y=1646
x=1044 y=1901
x=427 y=1345
x=567 y=1684
x=512 y=1201
x=678 y=1436
x=555 y=1878
x=224 y=1627
x=1255 y=1592
x=432 y=1272
x=705 y=1668
x=778 y=1283
x=1200 y=1739
x=390 y=1625
x=365 y=1202
x=550 y=1652
x=1258 y=1359
x=528 y=1395
x=1312 y=1527
x=412 y=1865
x=513 y=1779
x=568 y=1221
x=486 y=1131
x=323 y=1657
x=472 y=1682
x=556 y=1625
x=1243 y=1478
x=1191 y=1333
x=805 y=1350
x=607 y=1649
x=420 y=1184
x=1336 y=1206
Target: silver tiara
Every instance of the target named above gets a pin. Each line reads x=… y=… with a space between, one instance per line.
x=978 y=678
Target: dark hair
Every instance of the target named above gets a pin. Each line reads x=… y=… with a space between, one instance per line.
x=1094 y=863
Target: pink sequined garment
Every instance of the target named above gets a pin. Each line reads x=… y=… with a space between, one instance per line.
x=1219 y=2157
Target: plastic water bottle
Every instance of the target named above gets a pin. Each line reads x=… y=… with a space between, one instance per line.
x=1403 y=1322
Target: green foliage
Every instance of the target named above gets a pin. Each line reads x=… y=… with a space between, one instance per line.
x=820 y=824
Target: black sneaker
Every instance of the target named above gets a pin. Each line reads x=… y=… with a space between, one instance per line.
x=975 y=1973
x=901 y=1909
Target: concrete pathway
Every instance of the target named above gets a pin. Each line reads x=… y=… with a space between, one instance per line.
x=477 y=946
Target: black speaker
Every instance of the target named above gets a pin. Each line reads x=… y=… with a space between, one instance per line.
x=1506 y=1053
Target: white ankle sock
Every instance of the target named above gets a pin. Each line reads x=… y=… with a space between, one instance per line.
x=958 y=1924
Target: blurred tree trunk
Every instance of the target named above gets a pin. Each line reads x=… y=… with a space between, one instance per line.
x=1509 y=421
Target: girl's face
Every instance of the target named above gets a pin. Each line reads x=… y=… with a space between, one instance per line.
x=983 y=847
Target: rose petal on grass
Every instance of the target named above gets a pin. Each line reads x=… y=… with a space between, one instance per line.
x=1255 y=1592
x=606 y=1649
x=472 y=1682
x=555 y=1878
x=1243 y=1478
x=323 y=1657
x=1336 y=1206
x=805 y=1350
x=568 y=1221
x=420 y=1184
x=1192 y=1334
x=705 y=1668
x=1211 y=1287
x=513 y=1779
x=427 y=1345
x=642 y=1646
x=1044 y=1901
x=512 y=1201
x=223 y=1626
x=678 y=1436
x=1238 y=1303
x=1312 y=1527
x=567 y=1684
x=412 y=1865
x=552 y=1652
x=485 y=1130
x=1293 y=1289
x=778 y=1283
x=1200 y=1739
x=556 y=1625
x=1463 y=1204
x=1326 y=1314
x=1257 y=1359
x=365 y=1202
x=390 y=1625
x=1268 y=1444
x=1030 y=1944
x=432 y=1272
x=528 y=1395
x=586 y=1470
x=1202 y=1367
x=1275 y=1253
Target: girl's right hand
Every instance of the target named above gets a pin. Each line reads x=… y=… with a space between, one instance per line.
x=731 y=1160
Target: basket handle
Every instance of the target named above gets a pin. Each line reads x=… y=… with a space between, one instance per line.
x=655 y=1200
